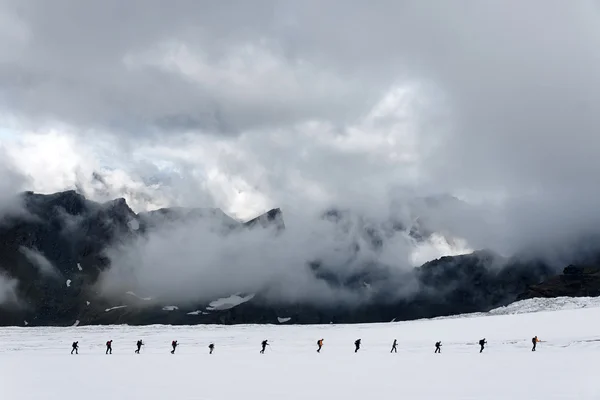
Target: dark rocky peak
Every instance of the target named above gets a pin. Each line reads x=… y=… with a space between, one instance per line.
x=446 y=270
x=110 y=220
x=118 y=210
x=48 y=205
x=575 y=281
x=479 y=258
x=271 y=218
x=581 y=270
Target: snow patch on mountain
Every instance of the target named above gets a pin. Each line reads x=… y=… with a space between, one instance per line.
x=197 y=312
x=227 y=303
x=141 y=298
x=114 y=308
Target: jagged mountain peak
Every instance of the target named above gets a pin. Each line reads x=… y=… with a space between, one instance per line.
x=273 y=217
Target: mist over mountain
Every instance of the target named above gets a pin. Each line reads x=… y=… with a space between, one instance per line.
x=65 y=258
x=383 y=138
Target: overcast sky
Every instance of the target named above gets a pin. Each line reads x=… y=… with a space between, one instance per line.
x=304 y=105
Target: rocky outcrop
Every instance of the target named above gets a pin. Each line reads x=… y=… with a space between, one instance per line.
x=575 y=281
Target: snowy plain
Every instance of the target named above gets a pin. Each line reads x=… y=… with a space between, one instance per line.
x=35 y=363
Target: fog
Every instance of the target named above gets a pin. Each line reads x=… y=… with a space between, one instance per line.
x=309 y=106
x=194 y=261
x=8 y=292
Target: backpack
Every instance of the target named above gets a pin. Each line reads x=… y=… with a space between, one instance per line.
x=108 y=343
x=174 y=343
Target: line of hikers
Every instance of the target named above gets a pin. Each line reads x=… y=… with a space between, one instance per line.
x=265 y=343
x=139 y=344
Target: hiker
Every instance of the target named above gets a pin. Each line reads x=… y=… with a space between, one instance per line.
x=139 y=345
x=535 y=340
x=437 y=347
x=320 y=344
x=357 y=344
x=394 y=347
x=482 y=343
x=211 y=347
x=75 y=348
x=109 y=347
x=264 y=345
x=174 y=344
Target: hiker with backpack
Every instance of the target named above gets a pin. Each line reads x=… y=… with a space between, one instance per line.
x=438 y=346
x=211 y=347
x=264 y=345
x=174 y=344
x=535 y=341
x=394 y=347
x=139 y=345
x=75 y=348
x=482 y=343
x=357 y=345
x=320 y=344
x=109 y=347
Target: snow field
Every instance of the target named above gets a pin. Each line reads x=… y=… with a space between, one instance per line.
x=35 y=362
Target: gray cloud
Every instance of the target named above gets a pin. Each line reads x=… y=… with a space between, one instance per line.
x=142 y=67
x=191 y=260
x=11 y=181
x=307 y=105
x=8 y=291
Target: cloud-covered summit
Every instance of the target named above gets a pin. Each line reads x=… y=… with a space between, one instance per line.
x=311 y=105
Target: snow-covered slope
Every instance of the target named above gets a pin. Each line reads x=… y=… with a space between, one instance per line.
x=535 y=305
x=542 y=304
x=562 y=368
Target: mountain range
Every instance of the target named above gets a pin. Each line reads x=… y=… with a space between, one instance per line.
x=53 y=254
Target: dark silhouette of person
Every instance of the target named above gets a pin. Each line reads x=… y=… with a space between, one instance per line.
x=75 y=348
x=139 y=345
x=394 y=347
x=438 y=346
x=174 y=344
x=264 y=345
x=357 y=345
x=211 y=347
x=534 y=341
x=109 y=347
x=320 y=344
x=482 y=343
